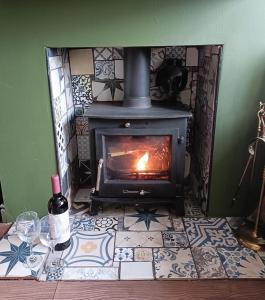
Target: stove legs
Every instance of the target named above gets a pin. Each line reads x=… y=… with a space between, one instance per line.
x=179 y=207
x=94 y=208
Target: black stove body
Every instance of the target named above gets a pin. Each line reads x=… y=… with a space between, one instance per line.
x=137 y=150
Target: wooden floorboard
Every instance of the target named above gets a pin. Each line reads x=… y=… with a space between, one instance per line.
x=27 y=290
x=4 y=228
x=166 y=290
x=133 y=290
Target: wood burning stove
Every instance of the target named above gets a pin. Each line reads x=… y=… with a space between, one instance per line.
x=137 y=150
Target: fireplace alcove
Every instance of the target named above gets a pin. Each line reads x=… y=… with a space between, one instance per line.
x=82 y=79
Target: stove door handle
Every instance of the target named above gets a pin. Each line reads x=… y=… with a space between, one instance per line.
x=100 y=164
x=181 y=139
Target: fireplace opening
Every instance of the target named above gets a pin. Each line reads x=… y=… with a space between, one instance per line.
x=135 y=123
x=135 y=157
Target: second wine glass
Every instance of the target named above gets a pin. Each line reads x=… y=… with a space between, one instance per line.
x=53 y=262
x=28 y=229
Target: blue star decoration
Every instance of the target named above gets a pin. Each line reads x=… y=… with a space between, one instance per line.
x=15 y=255
x=147 y=216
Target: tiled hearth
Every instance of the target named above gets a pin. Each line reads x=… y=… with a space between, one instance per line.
x=140 y=244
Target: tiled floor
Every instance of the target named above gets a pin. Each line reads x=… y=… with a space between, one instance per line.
x=140 y=244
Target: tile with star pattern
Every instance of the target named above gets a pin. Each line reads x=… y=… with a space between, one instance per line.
x=142 y=219
x=13 y=255
x=106 y=90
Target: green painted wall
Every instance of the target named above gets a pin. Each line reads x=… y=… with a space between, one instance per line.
x=27 y=156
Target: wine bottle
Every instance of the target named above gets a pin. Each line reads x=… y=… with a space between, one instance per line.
x=59 y=216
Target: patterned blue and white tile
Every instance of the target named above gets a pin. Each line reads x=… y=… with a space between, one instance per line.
x=157 y=57
x=90 y=273
x=53 y=275
x=53 y=52
x=119 y=92
x=107 y=90
x=82 y=127
x=56 y=107
x=241 y=262
x=54 y=82
x=83 y=147
x=103 y=53
x=174 y=263
x=262 y=255
x=104 y=69
x=192 y=208
x=208 y=263
x=176 y=52
x=178 y=224
x=82 y=90
x=127 y=239
x=90 y=249
x=106 y=223
x=142 y=219
x=213 y=232
x=175 y=239
x=13 y=255
x=118 y=53
x=83 y=223
x=123 y=254
x=55 y=62
x=79 y=110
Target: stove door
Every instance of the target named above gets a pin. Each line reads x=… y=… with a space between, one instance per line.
x=139 y=162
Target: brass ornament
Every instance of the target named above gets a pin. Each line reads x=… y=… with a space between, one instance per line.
x=248 y=234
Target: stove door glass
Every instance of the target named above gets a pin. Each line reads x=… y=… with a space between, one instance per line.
x=137 y=157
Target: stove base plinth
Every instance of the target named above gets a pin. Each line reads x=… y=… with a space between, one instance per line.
x=177 y=202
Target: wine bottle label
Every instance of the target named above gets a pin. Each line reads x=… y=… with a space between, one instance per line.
x=60 y=227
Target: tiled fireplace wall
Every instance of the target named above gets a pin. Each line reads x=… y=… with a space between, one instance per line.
x=96 y=74
x=204 y=121
x=63 y=119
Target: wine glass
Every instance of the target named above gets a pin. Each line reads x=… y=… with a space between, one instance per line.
x=53 y=262
x=28 y=230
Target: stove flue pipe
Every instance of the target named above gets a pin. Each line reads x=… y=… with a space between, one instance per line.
x=137 y=77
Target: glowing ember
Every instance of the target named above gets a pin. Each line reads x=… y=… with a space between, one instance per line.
x=142 y=162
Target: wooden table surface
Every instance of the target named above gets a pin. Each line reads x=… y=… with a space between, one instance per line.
x=133 y=290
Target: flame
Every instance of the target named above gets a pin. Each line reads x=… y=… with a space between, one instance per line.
x=142 y=162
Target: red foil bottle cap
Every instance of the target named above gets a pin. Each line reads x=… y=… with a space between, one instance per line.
x=56 y=189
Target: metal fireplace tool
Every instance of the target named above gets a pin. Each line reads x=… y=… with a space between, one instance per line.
x=249 y=235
